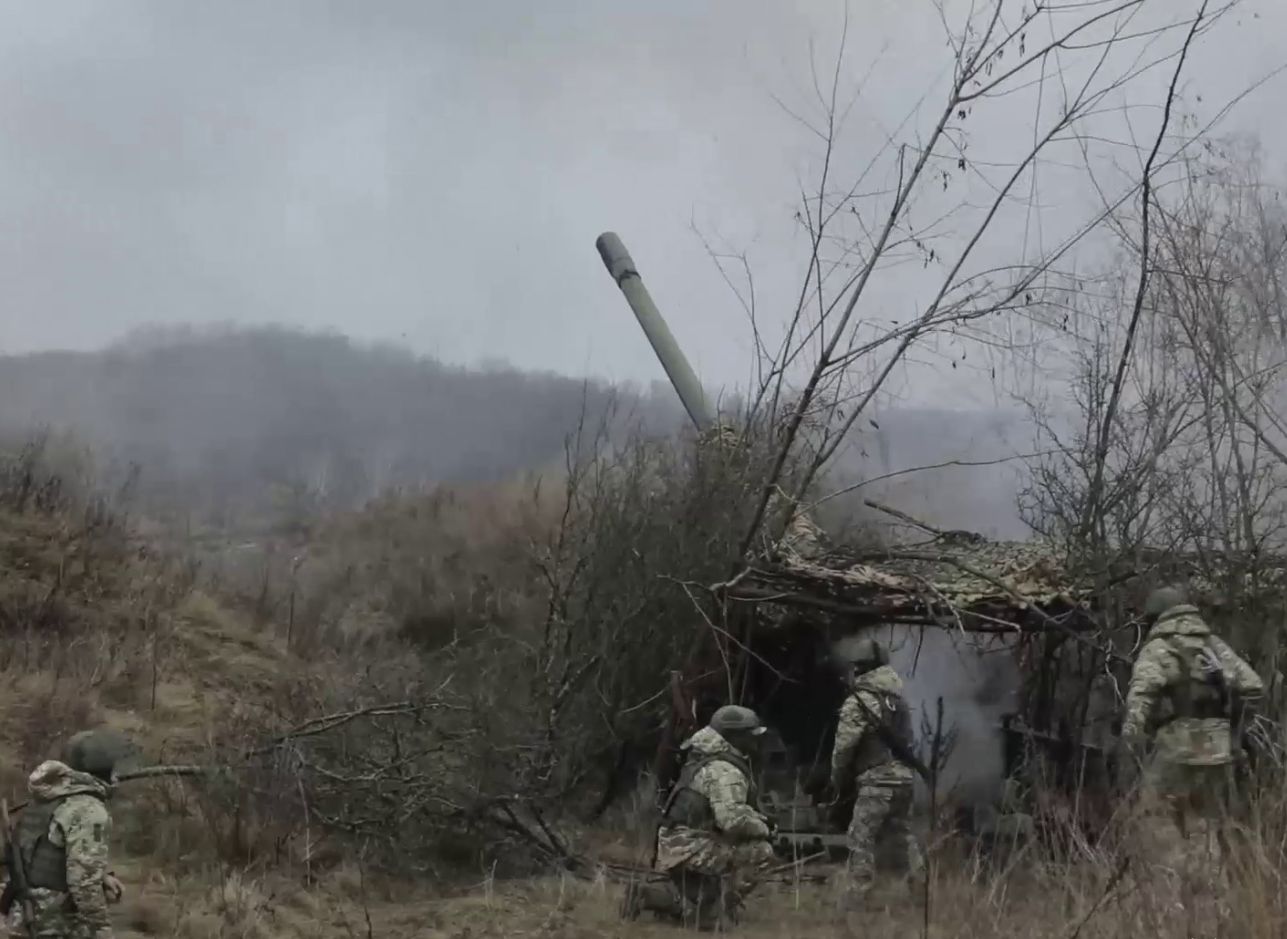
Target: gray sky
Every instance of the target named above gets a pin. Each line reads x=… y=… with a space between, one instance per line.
x=435 y=173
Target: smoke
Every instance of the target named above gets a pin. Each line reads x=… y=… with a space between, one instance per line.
x=978 y=680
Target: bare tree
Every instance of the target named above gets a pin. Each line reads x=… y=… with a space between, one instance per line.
x=861 y=226
x=1173 y=466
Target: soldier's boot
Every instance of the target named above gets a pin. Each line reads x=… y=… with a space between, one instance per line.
x=858 y=881
x=914 y=870
x=660 y=898
x=734 y=904
x=631 y=901
x=855 y=892
x=705 y=902
x=710 y=914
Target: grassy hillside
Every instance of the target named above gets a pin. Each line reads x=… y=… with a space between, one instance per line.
x=356 y=831
x=514 y=639
x=97 y=630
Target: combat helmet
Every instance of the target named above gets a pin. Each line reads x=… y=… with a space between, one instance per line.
x=733 y=718
x=865 y=654
x=1163 y=599
x=99 y=753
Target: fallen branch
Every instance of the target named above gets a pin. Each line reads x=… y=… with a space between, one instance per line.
x=902 y=516
x=320 y=725
x=151 y=772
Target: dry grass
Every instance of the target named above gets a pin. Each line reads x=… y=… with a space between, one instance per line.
x=1035 y=903
x=1032 y=894
x=185 y=673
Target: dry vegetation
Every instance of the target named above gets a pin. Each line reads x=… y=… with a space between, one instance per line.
x=375 y=770
x=423 y=708
x=414 y=700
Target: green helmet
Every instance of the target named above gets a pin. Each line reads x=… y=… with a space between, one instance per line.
x=1162 y=599
x=733 y=718
x=98 y=752
x=866 y=654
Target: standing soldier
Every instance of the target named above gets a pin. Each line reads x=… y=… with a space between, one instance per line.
x=62 y=838
x=872 y=758
x=1187 y=689
x=712 y=840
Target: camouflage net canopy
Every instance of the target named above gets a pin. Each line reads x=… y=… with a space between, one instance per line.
x=962 y=579
x=957 y=578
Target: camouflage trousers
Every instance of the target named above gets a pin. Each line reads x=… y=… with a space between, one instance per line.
x=709 y=875
x=54 y=918
x=882 y=813
x=1181 y=829
x=709 y=853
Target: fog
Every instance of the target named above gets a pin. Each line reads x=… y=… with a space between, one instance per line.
x=218 y=419
x=430 y=179
x=434 y=175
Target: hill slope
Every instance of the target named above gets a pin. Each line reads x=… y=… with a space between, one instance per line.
x=231 y=422
x=216 y=418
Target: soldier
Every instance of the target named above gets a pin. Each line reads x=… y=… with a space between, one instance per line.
x=712 y=840
x=1186 y=690
x=62 y=836
x=875 y=722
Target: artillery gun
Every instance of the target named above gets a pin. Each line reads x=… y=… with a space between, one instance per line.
x=803 y=603
x=803 y=827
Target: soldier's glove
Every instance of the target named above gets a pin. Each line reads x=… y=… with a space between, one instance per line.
x=829 y=796
x=112 y=888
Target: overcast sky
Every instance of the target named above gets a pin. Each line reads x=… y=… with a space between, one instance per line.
x=435 y=173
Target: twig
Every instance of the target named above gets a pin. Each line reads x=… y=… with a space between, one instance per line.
x=907 y=471
x=933 y=808
x=1108 y=889
x=366 y=906
x=150 y=772
x=320 y=725
x=1095 y=491
x=791 y=865
x=902 y=516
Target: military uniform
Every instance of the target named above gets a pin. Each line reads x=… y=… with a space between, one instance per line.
x=882 y=784
x=1179 y=704
x=62 y=835
x=712 y=841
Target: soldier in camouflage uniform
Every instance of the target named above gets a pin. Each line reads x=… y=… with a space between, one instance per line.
x=712 y=841
x=863 y=763
x=62 y=835
x=1186 y=687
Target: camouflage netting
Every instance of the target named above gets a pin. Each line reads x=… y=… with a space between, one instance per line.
x=953 y=576
x=963 y=579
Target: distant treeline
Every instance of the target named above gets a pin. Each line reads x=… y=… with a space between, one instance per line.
x=227 y=422
x=217 y=418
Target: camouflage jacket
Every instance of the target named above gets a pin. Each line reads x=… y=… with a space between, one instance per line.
x=1162 y=671
x=855 y=724
x=725 y=787
x=79 y=827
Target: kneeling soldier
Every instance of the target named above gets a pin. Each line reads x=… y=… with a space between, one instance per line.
x=712 y=840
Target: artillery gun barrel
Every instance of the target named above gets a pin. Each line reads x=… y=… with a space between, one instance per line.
x=622 y=268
